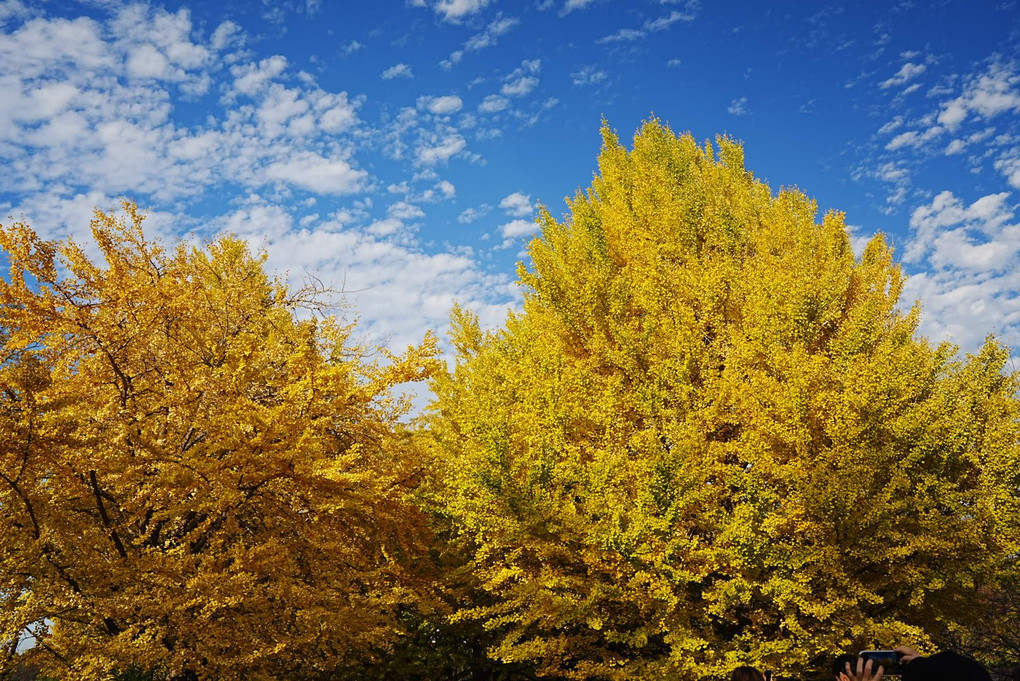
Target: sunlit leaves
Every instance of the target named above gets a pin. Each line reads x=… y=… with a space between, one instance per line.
x=193 y=476
x=712 y=437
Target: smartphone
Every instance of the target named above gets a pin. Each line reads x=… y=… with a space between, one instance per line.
x=889 y=660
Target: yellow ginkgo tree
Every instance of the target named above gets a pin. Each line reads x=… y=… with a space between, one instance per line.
x=713 y=436
x=195 y=478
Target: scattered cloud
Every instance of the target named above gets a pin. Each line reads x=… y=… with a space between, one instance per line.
x=493 y=104
x=90 y=107
x=397 y=71
x=523 y=79
x=891 y=126
x=1009 y=165
x=401 y=210
x=441 y=150
x=519 y=86
x=488 y=37
x=907 y=72
x=738 y=107
x=987 y=95
x=447 y=104
x=622 y=35
x=513 y=231
x=405 y=290
x=517 y=204
x=689 y=13
x=971 y=283
x=469 y=215
x=914 y=138
x=571 y=5
x=951 y=127
x=588 y=75
x=310 y=171
x=454 y=11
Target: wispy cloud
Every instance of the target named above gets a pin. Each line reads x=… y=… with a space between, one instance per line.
x=487 y=38
x=453 y=11
x=688 y=13
x=738 y=107
x=588 y=75
x=397 y=71
x=571 y=5
x=522 y=80
x=907 y=72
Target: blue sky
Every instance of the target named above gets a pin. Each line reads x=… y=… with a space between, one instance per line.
x=397 y=149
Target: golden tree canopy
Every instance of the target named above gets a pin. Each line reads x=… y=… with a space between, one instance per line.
x=193 y=477
x=712 y=437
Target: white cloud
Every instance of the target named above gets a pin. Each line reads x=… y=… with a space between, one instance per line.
x=928 y=222
x=103 y=117
x=397 y=291
x=907 y=72
x=588 y=75
x=571 y=5
x=523 y=79
x=622 y=35
x=227 y=34
x=987 y=95
x=689 y=13
x=13 y=9
x=401 y=210
x=513 y=231
x=147 y=62
x=469 y=215
x=487 y=38
x=1009 y=166
x=956 y=147
x=251 y=78
x=665 y=21
x=446 y=189
x=738 y=107
x=978 y=97
x=441 y=150
x=499 y=27
x=397 y=71
x=518 y=228
x=443 y=190
x=891 y=125
x=972 y=281
x=519 y=86
x=442 y=106
x=455 y=10
x=315 y=173
x=493 y=103
x=914 y=138
x=517 y=204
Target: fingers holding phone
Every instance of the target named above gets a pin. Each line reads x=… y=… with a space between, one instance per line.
x=866 y=670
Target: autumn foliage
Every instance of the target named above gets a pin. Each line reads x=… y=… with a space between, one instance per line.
x=194 y=479
x=712 y=437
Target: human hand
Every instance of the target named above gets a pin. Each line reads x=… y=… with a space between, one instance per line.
x=864 y=671
x=907 y=653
